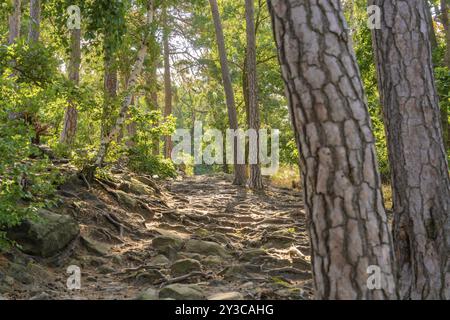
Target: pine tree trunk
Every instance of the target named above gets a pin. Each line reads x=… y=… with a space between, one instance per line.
x=239 y=169
x=416 y=150
x=14 y=22
x=167 y=84
x=35 y=21
x=341 y=183
x=255 y=180
x=153 y=103
x=71 y=115
x=89 y=171
x=110 y=85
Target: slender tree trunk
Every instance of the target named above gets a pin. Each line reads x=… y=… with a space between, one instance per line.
x=110 y=90
x=131 y=85
x=152 y=101
x=167 y=83
x=255 y=180
x=14 y=22
x=35 y=21
x=71 y=114
x=417 y=157
x=445 y=22
x=239 y=169
x=131 y=126
x=342 y=190
x=431 y=32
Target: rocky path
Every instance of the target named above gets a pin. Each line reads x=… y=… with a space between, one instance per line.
x=210 y=240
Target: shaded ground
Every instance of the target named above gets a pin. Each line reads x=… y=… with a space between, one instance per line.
x=140 y=241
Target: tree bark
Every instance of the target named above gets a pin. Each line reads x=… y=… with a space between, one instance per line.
x=342 y=190
x=255 y=180
x=416 y=150
x=152 y=101
x=239 y=169
x=131 y=85
x=71 y=115
x=35 y=21
x=14 y=22
x=167 y=83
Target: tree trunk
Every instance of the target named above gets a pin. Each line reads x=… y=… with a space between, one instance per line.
x=152 y=102
x=239 y=169
x=342 y=190
x=416 y=151
x=71 y=115
x=167 y=83
x=110 y=84
x=445 y=22
x=255 y=180
x=35 y=21
x=430 y=25
x=131 y=85
x=131 y=127
x=14 y=22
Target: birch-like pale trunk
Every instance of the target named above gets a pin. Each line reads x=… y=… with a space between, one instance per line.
x=131 y=88
x=14 y=22
x=167 y=83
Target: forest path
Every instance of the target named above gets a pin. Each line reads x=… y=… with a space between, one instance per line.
x=210 y=236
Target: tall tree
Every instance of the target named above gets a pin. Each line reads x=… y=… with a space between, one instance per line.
x=445 y=22
x=255 y=179
x=14 y=22
x=35 y=21
x=131 y=85
x=167 y=82
x=418 y=160
x=430 y=25
x=71 y=114
x=239 y=169
x=342 y=190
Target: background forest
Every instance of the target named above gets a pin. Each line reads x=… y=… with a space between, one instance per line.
x=62 y=91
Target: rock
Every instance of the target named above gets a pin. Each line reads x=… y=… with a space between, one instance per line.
x=3 y=298
x=47 y=235
x=20 y=273
x=125 y=199
x=167 y=245
x=149 y=294
x=159 y=261
x=95 y=246
x=227 y=296
x=105 y=269
x=253 y=254
x=151 y=276
x=181 y=292
x=9 y=280
x=185 y=266
x=41 y=296
x=212 y=261
x=206 y=248
x=136 y=187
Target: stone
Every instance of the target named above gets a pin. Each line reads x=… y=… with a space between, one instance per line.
x=149 y=294
x=159 y=261
x=152 y=276
x=206 y=248
x=227 y=296
x=45 y=236
x=105 y=269
x=212 y=261
x=167 y=245
x=125 y=199
x=185 y=266
x=41 y=296
x=181 y=292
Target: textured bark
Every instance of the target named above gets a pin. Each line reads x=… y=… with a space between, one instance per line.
x=416 y=151
x=152 y=101
x=167 y=84
x=35 y=21
x=341 y=183
x=255 y=179
x=131 y=85
x=131 y=126
x=239 y=169
x=14 y=22
x=110 y=85
x=71 y=115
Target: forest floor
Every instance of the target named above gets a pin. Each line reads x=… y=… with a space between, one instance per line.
x=193 y=238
